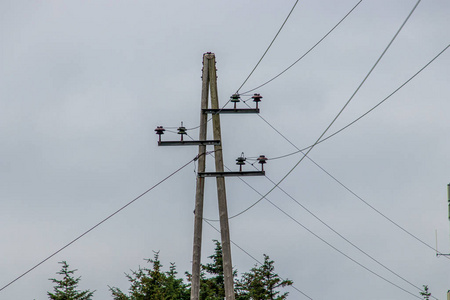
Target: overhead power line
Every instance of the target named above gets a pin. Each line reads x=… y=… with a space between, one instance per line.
x=307 y=52
x=340 y=252
x=240 y=248
x=270 y=45
x=98 y=224
x=345 y=105
x=337 y=180
x=321 y=221
x=363 y=115
x=323 y=240
x=343 y=185
x=344 y=238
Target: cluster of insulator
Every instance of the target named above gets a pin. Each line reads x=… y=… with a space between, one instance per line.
x=159 y=131
x=181 y=131
x=240 y=161
x=262 y=160
x=235 y=98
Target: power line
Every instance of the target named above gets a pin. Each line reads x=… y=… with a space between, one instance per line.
x=345 y=105
x=270 y=45
x=307 y=52
x=196 y=127
x=339 y=251
x=210 y=117
x=344 y=238
x=317 y=236
x=363 y=115
x=240 y=248
x=310 y=231
x=98 y=224
x=320 y=220
x=338 y=181
x=340 y=112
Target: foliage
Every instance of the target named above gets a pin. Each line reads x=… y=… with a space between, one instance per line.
x=212 y=280
x=66 y=288
x=262 y=283
x=153 y=284
x=426 y=294
x=214 y=286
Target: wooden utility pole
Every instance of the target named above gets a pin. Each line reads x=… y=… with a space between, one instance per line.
x=221 y=192
x=209 y=88
x=200 y=189
x=209 y=82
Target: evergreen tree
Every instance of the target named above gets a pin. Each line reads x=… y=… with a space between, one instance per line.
x=66 y=288
x=153 y=284
x=426 y=294
x=212 y=280
x=214 y=286
x=261 y=283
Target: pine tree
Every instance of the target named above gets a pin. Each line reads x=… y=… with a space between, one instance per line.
x=153 y=284
x=212 y=280
x=426 y=294
x=261 y=283
x=66 y=288
x=214 y=287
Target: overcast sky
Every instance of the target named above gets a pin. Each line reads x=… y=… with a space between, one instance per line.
x=83 y=85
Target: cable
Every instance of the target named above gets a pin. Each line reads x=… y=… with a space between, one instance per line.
x=211 y=117
x=307 y=52
x=339 y=251
x=344 y=238
x=329 y=227
x=270 y=45
x=334 y=178
x=343 y=108
x=99 y=223
x=263 y=197
x=366 y=113
x=320 y=220
x=193 y=128
x=240 y=248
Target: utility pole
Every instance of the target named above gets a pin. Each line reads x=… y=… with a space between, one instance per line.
x=209 y=88
x=221 y=193
x=448 y=197
x=200 y=188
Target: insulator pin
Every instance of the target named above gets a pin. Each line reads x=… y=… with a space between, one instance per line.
x=257 y=98
x=159 y=130
x=182 y=131
x=262 y=160
x=235 y=98
x=240 y=161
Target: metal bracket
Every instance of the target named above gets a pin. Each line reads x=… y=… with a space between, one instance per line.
x=231 y=174
x=216 y=111
x=189 y=143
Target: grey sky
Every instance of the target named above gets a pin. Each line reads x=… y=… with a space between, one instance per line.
x=83 y=84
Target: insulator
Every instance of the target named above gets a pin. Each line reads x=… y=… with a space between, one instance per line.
x=257 y=98
x=235 y=98
x=182 y=130
x=262 y=159
x=159 y=130
x=241 y=160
